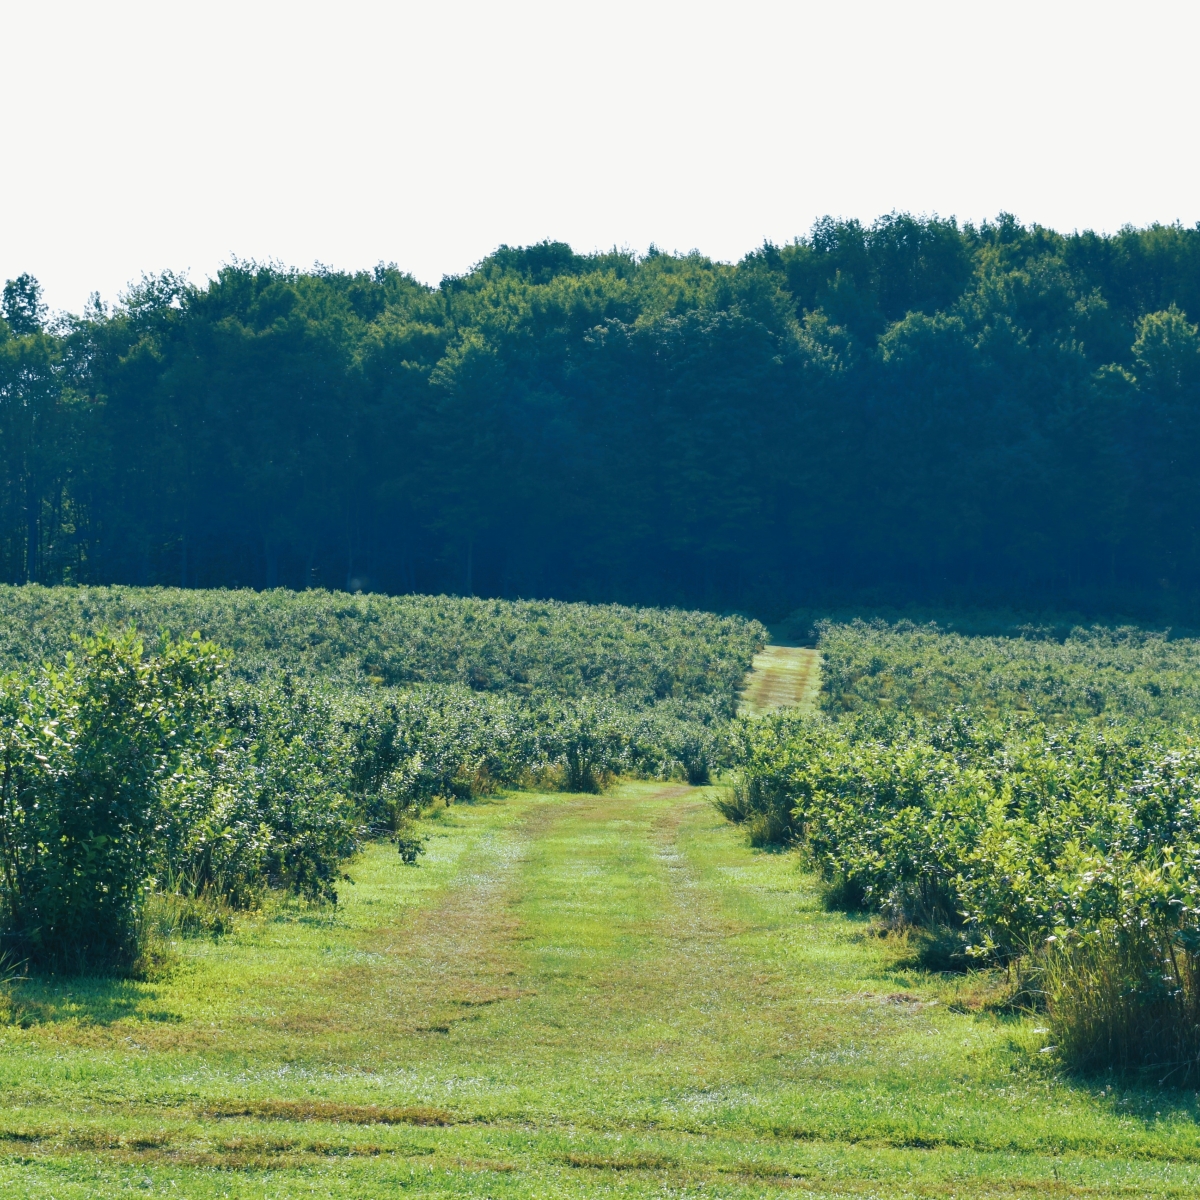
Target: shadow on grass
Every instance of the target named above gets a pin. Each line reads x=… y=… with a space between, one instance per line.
x=82 y=1000
x=1152 y=1095
x=1147 y=1102
x=776 y=848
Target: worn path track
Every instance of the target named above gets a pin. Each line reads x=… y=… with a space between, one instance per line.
x=782 y=677
x=570 y=996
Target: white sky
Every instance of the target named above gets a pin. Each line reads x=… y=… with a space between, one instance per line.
x=138 y=137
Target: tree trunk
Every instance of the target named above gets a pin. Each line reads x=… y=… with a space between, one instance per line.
x=32 y=538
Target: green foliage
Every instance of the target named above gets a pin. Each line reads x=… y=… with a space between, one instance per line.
x=23 y=308
x=1042 y=799
x=289 y=822
x=89 y=753
x=128 y=775
x=641 y=655
x=1088 y=672
x=912 y=411
x=431 y=696
x=408 y=748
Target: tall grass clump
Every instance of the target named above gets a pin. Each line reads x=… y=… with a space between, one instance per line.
x=1121 y=999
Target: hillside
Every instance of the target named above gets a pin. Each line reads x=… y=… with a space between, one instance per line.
x=522 y=647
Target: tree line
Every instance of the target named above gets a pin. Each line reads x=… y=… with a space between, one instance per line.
x=913 y=410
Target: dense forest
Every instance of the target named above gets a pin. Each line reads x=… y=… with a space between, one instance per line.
x=911 y=411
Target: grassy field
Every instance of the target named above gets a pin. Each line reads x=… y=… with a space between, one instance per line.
x=571 y=995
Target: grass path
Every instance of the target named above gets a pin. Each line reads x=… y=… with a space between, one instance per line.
x=782 y=677
x=595 y=995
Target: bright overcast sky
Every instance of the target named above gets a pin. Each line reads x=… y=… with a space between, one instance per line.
x=140 y=137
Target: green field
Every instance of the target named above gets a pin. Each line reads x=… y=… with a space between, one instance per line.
x=571 y=995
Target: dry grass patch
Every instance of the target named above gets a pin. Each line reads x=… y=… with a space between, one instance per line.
x=629 y=1162
x=782 y=677
x=328 y=1110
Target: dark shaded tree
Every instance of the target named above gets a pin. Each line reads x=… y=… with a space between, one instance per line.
x=910 y=410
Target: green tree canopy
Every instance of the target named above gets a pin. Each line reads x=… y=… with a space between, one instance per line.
x=912 y=409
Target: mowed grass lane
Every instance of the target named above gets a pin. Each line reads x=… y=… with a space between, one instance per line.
x=782 y=677
x=570 y=996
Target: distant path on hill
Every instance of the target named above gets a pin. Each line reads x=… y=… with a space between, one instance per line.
x=782 y=677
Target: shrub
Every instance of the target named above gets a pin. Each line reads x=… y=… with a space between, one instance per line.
x=124 y=773
x=88 y=752
x=1031 y=826
x=535 y=649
